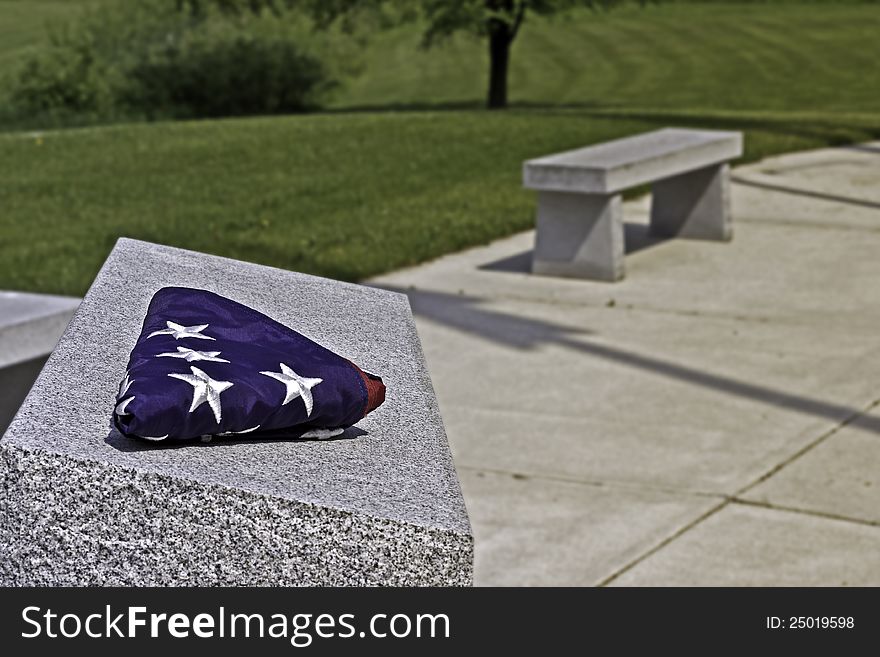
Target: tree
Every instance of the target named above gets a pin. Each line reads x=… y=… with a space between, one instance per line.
x=497 y=21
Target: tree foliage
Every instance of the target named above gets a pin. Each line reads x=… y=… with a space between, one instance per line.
x=499 y=21
x=442 y=17
x=480 y=17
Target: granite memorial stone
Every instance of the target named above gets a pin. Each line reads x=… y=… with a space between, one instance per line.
x=86 y=505
x=30 y=325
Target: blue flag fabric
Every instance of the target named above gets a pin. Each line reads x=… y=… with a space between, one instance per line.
x=205 y=365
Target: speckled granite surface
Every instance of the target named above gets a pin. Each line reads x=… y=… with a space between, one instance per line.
x=84 y=505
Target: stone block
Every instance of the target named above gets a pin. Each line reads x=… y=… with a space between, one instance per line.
x=86 y=505
x=620 y=164
x=30 y=325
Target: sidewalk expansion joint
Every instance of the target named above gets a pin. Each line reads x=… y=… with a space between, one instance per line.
x=808 y=447
x=817 y=225
x=735 y=498
x=805 y=512
x=662 y=544
x=765 y=182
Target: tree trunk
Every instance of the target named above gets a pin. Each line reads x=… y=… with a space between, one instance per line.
x=499 y=58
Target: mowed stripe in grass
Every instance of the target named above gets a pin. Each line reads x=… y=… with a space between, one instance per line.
x=753 y=56
x=340 y=195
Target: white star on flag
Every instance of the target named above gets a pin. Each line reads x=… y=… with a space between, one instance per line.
x=121 y=406
x=205 y=389
x=297 y=386
x=124 y=386
x=191 y=355
x=179 y=331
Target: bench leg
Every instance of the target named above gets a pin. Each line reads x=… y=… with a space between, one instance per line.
x=694 y=205
x=579 y=236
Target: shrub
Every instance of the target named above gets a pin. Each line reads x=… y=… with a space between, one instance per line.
x=67 y=76
x=149 y=59
x=221 y=70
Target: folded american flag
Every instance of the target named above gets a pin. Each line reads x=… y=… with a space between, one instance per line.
x=205 y=365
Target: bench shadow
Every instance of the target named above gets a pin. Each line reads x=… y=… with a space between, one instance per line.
x=636 y=237
x=123 y=443
x=469 y=315
x=520 y=263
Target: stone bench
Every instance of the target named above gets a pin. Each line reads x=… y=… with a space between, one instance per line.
x=85 y=505
x=580 y=216
x=30 y=325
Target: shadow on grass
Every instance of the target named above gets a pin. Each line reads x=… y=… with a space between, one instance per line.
x=830 y=131
x=467 y=314
x=450 y=106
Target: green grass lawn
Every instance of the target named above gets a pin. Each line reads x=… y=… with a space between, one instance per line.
x=756 y=56
x=350 y=193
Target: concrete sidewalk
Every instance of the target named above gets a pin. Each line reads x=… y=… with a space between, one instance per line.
x=713 y=419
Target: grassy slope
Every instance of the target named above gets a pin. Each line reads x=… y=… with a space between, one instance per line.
x=350 y=194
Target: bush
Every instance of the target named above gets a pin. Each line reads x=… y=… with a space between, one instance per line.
x=223 y=71
x=67 y=76
x=148 y=59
